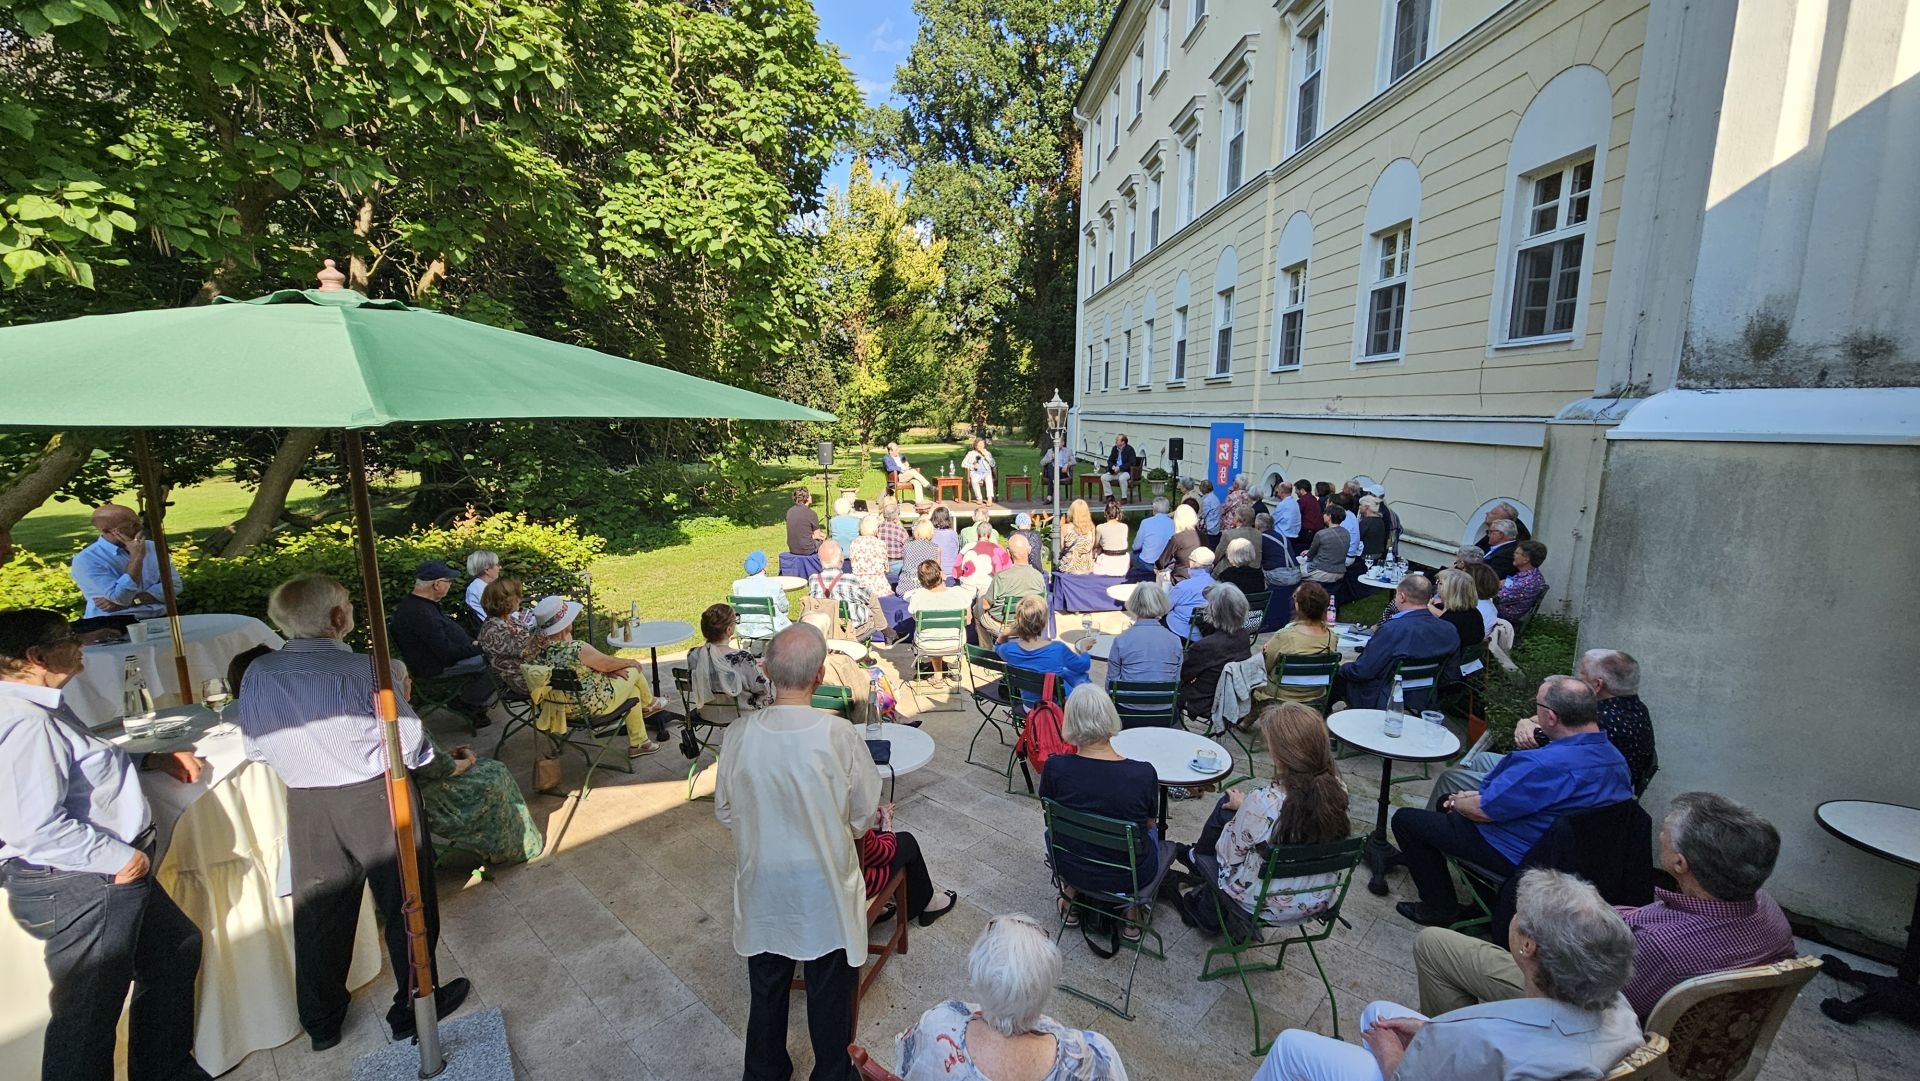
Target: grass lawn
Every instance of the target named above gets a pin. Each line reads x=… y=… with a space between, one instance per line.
x=57 y=529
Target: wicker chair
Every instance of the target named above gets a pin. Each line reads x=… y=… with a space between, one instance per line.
x=1644 y=1061
x=1720 y=1026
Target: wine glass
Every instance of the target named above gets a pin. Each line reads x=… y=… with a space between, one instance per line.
x=217 y=696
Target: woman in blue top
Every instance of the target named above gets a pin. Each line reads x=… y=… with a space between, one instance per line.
x=1027 y=646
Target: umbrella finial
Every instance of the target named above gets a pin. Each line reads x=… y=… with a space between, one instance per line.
x=331 y=278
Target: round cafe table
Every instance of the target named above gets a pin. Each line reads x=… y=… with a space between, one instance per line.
x=1122 y=592
x=1418 y=742
x=210 y=639
x=1892 y=832
x=1102 y=643
x=1379 y=579
x=912 y=749
x=1171 y=751
x=650 y=637
x=848 y=647
x=790 y=582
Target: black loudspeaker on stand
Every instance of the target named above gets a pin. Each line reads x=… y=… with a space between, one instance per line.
x=1176 y=448
x=826 y=463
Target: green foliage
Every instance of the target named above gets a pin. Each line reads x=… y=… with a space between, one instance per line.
x=27 y=581
x=1547 y=649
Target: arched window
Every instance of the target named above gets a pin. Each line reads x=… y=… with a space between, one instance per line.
x=1106 y=354
x=1226 y=280
x=1290 y=265
x=1126 y=347
x=1386 y=263
x=1149 y=319
x=1542 y=288
x=1182 y=305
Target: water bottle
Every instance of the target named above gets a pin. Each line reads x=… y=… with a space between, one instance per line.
x=1396 y=710
x=1333 y=612
x=136 y=700
x=873 y=703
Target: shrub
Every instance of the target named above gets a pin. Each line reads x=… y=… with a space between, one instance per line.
x=28 y=581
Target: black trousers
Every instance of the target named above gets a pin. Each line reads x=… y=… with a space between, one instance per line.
x=832 y=984
x=1427 y=838
x=341 y=839
x=908 y=861
x=102 y=938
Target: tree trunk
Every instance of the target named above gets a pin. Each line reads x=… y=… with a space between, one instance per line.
x=271 y=497
x=57 y=463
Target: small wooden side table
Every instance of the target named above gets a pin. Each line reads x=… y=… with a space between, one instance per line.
x=1022 y=482
x=941 y=484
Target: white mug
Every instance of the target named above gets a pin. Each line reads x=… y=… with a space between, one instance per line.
x=136 y=632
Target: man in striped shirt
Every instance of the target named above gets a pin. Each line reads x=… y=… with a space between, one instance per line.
x=1719 y=854
x=307 y=710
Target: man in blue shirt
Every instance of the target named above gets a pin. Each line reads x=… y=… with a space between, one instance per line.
x=1411 y=632
x=1523 y=797
x=119 y=573
x=1151 y=540
x=1286 y=513
x=1189 y=594
x=1209 y=514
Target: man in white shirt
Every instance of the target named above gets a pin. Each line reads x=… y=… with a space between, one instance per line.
x=798 y=787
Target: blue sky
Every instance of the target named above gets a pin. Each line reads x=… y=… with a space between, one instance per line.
x=875 y=36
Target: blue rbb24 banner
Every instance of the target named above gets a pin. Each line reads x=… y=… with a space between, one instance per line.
x=1225 y=446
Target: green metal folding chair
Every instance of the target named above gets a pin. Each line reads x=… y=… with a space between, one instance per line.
x=760 y=608
x=990 y=699
x=518 y=708
x=1282 y=866
x=594 y=736
x=954 y=624
x=834 y=699
x=1145 y=705
x=1313 y=670
x=1113 y=845
x=1420 y=676
x=1256 y=615
x=1021 y=685
x=707 y=720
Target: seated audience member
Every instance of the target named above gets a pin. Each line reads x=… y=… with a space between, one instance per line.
x=1077 y=542
x=1574 y=954
x=947 y=539
x=605 y=682
x=833 y=584
x=903 y=472
x=803 y=526
x=1308 y=635
x=435 y=647
x=1243 y=567
x=473 y=803
x=1121 y=460
x=119 y=573
x=1283 y=515
x=1323 y=492
x=1276 y=555
x=503 y=637
x=868 y=554
x=1011 y=969
x=845 y=524
x=1239 y=525
x=893 y=535
x=1500 y=550
x=1211 y=504
x=975 y=572
x=1522 y=590
x=483 y=567
x=1036 y=551
x=885 y=853
x=1614 y=678
x=841 y=670
x=1151 y=539
x=1224 y=641
x=1456 y=603
x=935 y=595
x=1176 y=557
x=1025 y=645
x=1409 y=633
x=1189 y=593
x=918 y=550
x=986 y=542
x=1327 y=553
x=1239 y=500
x=1312 y=515
x=1304 y=804
x=1096 y=779
x=1110 y=542
x=1497 y=512
x=1055 y=472
x=1020 y=580
x=1524 y=794
x=726 y=681
x=1486 y=586
x=1146 y=652
x=758 y=584
x=1719 y=919
x=1373 y=529
x=1466 y=556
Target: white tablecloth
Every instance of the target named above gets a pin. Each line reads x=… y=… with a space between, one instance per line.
x=221 y=867
x=211 y=641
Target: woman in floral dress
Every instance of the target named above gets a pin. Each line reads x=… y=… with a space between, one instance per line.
x=1077 y=540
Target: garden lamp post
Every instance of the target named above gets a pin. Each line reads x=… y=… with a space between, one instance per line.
x=1057 y=425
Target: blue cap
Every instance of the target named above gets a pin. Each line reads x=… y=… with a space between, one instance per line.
x=433 y=570
x=756 y=562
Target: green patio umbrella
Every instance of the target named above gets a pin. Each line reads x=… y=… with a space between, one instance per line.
x=332 y=358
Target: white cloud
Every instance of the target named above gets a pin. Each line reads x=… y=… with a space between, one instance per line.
x=873 y=90
x=880 y=41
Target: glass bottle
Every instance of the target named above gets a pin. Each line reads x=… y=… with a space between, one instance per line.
x=1396 y=710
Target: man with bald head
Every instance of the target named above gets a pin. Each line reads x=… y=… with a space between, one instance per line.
x=119 y=573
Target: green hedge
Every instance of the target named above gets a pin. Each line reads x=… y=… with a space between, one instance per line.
x=28 y=581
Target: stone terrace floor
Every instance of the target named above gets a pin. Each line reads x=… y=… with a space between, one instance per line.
x=611 y=956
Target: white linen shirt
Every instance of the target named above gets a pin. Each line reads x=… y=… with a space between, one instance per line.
x=797 y=787
x=71 y=800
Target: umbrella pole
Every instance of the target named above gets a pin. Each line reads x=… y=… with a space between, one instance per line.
x=157 y=513
x=400 y=802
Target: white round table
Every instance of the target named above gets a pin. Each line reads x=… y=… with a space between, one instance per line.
x=1892 y=832
x=1102 y=643
x=1171 y=751
x=650 y=637
x=789 y=582
x=1122 y=592
x=1378 y=579
x=210 y=639
x=912 y=749
x=1418 y=742
x=856 y=650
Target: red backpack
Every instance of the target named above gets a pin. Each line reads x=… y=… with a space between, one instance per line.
x=1040 y=737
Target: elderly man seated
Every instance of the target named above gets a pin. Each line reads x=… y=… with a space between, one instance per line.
x=903 y=472
x=1524 y=795
x=435 y=647
x=1614 y=677
x=1522 y=590
x=1573 y=953
x=119 y=573
x=1121 y=460
x=1501 y=512
x=1502 y=536
x=1718 y=852
x=754 y=625
x=1017 y=580
x=1411 y=632
x=836 y=584
x=1190 y=593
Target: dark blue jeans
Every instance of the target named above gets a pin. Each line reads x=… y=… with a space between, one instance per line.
x=1427 y=838
x=101 y=939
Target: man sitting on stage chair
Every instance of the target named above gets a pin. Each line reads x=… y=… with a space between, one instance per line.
x=1121 y=461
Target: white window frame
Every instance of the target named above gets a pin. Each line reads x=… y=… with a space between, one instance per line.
x=1234 y=103
x=1187 y=178
x=1290 y=326
x=1113 y=117
x=1390 y=36
x=1390 y=263
x=1106 y=364
x=1196 y=14
x=1222 y=334
x=1126 y=358
x=1162 y=40
x=1089 y=366
x=1133 y=230
x=1097 y=155
x=1093 y=261
x=1177 y=373
x=1146 y=347
x=1156 y=200
x=1107 y=235
x=1566 y=204
x=1137 y=73
x=1309 y=67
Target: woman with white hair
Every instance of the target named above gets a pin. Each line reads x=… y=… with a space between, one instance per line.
x=1574 y=953
x=845 y=524
x=483 y=567
x=1146 y=652
x=1175 y=556
x=1096 y=779
x=1225 y=641
x=1012 y=969
x=868 y=554
x=1373 y=529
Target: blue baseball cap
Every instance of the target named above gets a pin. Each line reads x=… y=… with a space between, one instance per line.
x=756 y=562
x=433 y=570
